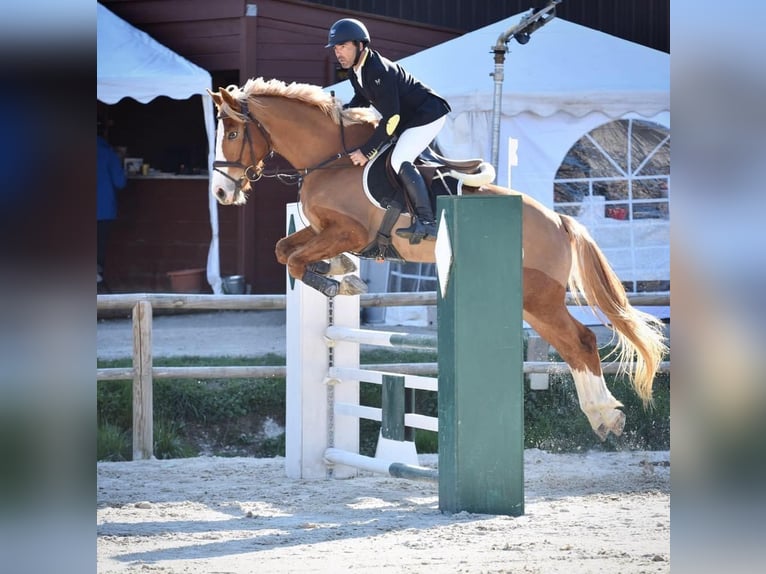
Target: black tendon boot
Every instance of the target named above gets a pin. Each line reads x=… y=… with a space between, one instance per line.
x=423 y=225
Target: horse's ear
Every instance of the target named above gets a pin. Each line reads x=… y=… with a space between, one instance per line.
x=216 y=98
x=228 y=98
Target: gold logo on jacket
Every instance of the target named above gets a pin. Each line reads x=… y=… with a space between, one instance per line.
x=391 y=124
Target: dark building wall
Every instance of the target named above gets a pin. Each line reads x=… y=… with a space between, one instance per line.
x=162 y=225
x=645 y=22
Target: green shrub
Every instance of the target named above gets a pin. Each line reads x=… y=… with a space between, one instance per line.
x=114 y=401
x=113 y=443
x=271 y=447
x=169 y=442
x=426 y=441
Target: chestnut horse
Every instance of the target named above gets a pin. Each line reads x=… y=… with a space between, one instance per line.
x=308 y=127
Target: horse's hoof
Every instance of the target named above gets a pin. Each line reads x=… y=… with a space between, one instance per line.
x=352 y=285
x=617 y=424
x=613 y=422
x=341 y=265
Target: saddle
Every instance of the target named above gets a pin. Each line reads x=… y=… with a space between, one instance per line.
x=443 y=176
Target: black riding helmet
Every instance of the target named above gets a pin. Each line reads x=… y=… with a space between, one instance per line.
x=347 y=30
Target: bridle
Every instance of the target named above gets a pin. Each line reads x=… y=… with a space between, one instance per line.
x=255 y=172
x=251 y=172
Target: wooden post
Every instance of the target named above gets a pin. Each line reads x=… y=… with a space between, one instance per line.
x=481 y=408
x=143 y=427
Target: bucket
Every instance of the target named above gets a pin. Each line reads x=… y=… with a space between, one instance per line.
x=187 y=280
x=233 y=285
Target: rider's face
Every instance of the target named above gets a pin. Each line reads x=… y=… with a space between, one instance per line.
x=345 y=53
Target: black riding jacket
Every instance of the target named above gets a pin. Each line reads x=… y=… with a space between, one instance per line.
x=403 y=101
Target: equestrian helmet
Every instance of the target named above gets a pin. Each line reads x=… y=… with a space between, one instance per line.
x=347 y=30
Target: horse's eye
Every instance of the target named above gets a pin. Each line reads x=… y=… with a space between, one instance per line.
x=233 y=135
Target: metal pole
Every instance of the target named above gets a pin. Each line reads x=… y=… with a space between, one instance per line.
x=498 y=76
x=522 y=32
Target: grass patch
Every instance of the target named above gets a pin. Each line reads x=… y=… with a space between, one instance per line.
x=113 y=443
x=169 y=441
x=246 y=417
x=384 y=355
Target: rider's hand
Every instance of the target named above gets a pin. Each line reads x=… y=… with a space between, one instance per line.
x=357 y=157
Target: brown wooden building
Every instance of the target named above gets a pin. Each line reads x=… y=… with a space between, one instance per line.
x=163 y=222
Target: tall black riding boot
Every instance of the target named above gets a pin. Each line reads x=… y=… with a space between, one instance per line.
x=423 y=225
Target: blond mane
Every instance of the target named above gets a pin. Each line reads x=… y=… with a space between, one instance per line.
x=307 y=93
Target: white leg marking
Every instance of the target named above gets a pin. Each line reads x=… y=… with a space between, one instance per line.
x=598 y=404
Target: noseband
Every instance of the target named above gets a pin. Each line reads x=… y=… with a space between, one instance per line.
x=251 y=172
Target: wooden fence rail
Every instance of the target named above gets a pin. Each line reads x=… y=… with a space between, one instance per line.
x=143 y=372
x=126 y=301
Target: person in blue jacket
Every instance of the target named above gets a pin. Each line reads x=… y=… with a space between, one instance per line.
x=410 y=111
x=110 y=177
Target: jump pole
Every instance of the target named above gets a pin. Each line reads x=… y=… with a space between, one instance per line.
x=481 y=401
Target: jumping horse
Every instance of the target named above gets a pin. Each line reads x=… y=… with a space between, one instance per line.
x=308 y=127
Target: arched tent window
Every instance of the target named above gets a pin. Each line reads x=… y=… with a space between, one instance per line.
x=616 y=180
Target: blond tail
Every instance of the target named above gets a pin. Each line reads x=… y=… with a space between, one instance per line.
x=640 y=336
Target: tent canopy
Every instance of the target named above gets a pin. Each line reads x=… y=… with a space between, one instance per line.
x=132 y=64
x=564 y=67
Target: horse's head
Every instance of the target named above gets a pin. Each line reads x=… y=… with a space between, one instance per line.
x=241 y=146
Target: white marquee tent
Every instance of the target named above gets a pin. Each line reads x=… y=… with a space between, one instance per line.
x=132 y=64
x=565 y=82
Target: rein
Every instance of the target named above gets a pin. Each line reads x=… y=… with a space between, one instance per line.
x=254 y=173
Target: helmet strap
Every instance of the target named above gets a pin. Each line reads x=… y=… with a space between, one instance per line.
x=358 y=52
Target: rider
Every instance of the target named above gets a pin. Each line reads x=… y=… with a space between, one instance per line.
x=409 y=109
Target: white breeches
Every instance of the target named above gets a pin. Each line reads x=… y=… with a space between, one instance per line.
x=413 y=141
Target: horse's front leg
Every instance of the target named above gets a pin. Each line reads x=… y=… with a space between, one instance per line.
x=287 y=245
x=337 y=265
x=328 y=244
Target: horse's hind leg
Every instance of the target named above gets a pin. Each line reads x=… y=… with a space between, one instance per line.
x=546 y=312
